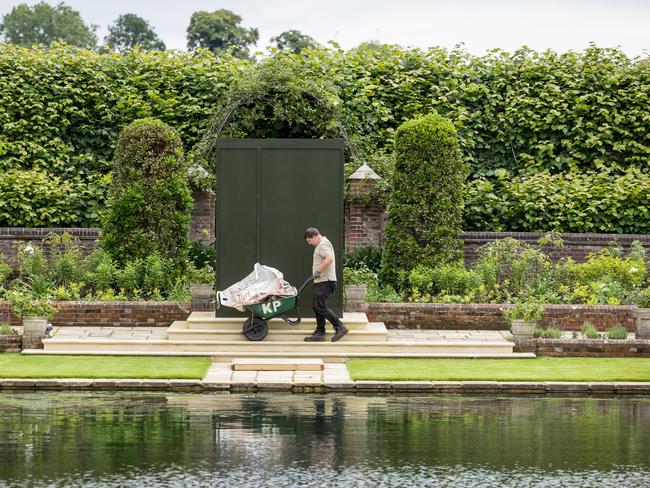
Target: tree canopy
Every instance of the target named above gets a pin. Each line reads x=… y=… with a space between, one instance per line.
x=131 y=30
x=43 y=24
x=220 y=30
x=293 y=40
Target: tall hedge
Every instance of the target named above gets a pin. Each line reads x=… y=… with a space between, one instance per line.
x=425 y=205
x=61 y=109
x=564 y=202
x=150 y=201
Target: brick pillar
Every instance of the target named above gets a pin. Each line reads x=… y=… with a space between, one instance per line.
x=365 y=218
x=202 y=222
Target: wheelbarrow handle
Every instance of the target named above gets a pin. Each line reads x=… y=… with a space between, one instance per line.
x=306 y=282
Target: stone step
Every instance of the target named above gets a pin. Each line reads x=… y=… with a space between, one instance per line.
x=316 y=349
x=207 y=321
x=276 y=364
x=326 y=357
x=183 y=331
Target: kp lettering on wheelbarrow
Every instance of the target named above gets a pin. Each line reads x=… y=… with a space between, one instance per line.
x=256 y=327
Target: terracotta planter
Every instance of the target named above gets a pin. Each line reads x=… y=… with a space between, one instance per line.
x=201 y=291
x=355 y=297
x=521 y=329
x=642 y=326
x=34 y=326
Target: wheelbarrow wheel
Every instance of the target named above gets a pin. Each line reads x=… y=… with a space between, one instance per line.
x=255 y=329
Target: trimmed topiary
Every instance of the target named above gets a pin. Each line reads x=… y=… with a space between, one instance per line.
x=425 y=205
x=150 y=201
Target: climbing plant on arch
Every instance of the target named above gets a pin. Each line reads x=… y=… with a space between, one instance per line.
x=278 y=98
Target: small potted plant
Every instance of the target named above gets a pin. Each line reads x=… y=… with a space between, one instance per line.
x=35 y=312
x=523 y=316
x=201 y=282
x=355 y=287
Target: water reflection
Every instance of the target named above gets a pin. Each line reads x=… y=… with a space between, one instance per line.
x=118 y=439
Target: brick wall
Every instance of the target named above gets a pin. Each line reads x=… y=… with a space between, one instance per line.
x=365 y=224
x=487 y=316
x=585 y=348
x=11 y=237
x=113 y=314
x=11 y=343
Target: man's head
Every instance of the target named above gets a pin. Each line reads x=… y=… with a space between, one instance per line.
x=312 y=236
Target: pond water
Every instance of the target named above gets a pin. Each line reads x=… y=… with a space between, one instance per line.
x=155 y=439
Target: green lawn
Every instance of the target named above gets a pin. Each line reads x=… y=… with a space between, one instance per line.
x=144 y=367
x=538 y=369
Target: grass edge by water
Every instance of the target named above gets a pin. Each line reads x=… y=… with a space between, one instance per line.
x=537 y=369
x=15 y=365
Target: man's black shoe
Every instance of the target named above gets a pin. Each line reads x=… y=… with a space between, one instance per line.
x=315 y=337
x=340 y=333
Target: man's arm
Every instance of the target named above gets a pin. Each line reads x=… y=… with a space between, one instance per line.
x=327 y=260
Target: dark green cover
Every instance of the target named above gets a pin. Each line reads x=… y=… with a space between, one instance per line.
x=268 y=192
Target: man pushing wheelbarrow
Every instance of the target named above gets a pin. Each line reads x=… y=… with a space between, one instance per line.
x=266 y=295
x=324 y=274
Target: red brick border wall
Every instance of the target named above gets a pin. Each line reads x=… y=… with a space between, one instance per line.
x=113 y=314
x=451 y=316
x=487 y=316
x=11 y=343
x=585 y=348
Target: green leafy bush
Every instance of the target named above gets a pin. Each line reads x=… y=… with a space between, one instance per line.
x=589 y=330
x=201 y=275
x=359 y=276
x=605 y=266
x=5 y=329
x=101 y=271
x=448 y=279
x=31 y=261
x=547 y=333
x=65 y=257
x=5 y=269
x=150 y=199
x=642 y=298
x=363 y=257
x=617 y=332
x=202 y=255
x=424 y=212
x=509 y=268
x=24 y=304
x=383 y=293
x=525 y=310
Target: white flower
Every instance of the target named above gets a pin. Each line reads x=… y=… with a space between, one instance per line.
x=634 y=270
x=29 y=249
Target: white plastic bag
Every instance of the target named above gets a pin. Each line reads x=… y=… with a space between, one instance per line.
x=262 y=283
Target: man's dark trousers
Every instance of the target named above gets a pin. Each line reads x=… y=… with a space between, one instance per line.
x=322 y=293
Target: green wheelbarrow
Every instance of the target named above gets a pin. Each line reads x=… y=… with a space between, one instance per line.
x=256 y=327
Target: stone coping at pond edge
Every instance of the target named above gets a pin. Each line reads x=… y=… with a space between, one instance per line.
x=222 y=376
x=305 y=384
